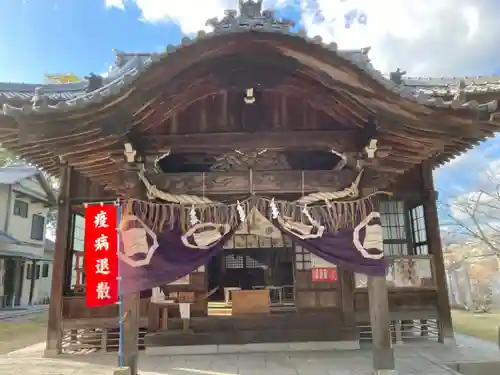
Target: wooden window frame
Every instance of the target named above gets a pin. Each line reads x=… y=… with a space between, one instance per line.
x=417 y=212
x=45 y=270
x=302 y=257
x=21 y=208
x=37 y=236
x=29 y=271
x=404 y=226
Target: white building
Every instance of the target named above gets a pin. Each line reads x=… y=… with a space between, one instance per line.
x=25 y=254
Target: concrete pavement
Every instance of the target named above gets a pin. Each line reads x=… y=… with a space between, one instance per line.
x=411 y=359
x=359 y=362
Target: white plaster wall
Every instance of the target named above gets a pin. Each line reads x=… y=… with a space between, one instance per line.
x=41 y=288
x=20 y=227
x=4 y=197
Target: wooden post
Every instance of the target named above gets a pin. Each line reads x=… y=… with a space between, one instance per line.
x=347 y=301
x=383 y=353
x=54 y=327
x=131 y=302
x=434 y=241
x=32 y=283
x=18 y=281
x=131 y=308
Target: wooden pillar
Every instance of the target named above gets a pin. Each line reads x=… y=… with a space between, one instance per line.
x=18 y=281
x=347 y=301
x=383 y=353
x=131 y=302
x=54 y=327
x=434 y=242
x=131 y=308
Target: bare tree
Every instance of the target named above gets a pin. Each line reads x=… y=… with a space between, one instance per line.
x=476 y=217
x=472 y=224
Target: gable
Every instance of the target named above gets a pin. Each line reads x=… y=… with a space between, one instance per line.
x=33 y=188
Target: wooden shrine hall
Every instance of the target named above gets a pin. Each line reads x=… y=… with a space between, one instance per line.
x=253 y=112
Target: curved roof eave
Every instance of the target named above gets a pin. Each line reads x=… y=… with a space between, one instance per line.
x=123 y=76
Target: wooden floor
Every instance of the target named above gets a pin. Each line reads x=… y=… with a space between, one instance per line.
x=221 y=309
x=278 y=327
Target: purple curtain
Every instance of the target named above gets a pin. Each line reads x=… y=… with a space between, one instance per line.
x=171 y=261
x=338 y=248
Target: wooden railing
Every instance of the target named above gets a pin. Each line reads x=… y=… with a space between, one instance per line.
x=412 y=271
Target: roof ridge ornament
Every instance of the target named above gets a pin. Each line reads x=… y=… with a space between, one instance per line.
x=39 y=98
x=95 y=82
x=250 y=17
x=397 y=76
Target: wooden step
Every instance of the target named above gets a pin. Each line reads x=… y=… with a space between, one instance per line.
x=180 y=338
x=319 y=321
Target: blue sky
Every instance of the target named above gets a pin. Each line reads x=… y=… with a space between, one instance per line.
x=77 y=36
x=56 y=36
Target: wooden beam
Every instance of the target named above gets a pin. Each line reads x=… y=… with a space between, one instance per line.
x=446 y=332
x=268 y=182
x=116 y=123
x=341 y=140
x=54 y=327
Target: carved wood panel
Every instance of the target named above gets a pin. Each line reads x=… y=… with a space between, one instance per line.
x=257 y=181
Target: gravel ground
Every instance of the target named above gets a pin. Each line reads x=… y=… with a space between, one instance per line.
x=22 y=331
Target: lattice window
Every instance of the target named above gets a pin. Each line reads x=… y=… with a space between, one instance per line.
x=302 y=258
x=252 y=263
x=394 y=226
x=419 y=230
x=234 y=261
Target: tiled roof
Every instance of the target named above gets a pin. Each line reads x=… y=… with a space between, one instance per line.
x=451 y=85
x=62 y=92
x=128 y=68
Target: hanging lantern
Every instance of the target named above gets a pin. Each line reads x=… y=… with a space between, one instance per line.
x=371 y=148
x=249 y=97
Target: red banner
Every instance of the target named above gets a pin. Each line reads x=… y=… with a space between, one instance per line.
x=324 y=274
x=101 y=258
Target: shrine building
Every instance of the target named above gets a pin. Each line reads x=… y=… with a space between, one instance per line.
x=286 y=184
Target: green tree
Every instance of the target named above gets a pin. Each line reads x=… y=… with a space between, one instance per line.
x=6 y=158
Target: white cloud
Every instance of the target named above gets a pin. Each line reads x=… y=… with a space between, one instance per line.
x=120 y=4
x=425 y=37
